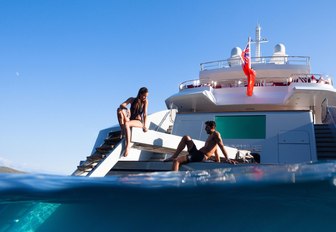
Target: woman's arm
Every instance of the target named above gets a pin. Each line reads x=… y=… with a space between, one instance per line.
x=125 y=103
x=145 y=116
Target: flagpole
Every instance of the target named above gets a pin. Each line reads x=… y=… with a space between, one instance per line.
x=249 y=44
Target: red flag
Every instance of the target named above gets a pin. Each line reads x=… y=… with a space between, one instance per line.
x=249 y=72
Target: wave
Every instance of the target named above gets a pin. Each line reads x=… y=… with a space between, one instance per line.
x=60 y=189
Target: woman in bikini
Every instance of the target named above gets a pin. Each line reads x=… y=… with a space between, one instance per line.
x=135 y=117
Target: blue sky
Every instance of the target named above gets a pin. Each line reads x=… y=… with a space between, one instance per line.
x=66 y=65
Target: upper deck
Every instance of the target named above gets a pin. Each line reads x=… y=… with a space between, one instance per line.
x=270 y=70
x=268 y=67
x=282 y=83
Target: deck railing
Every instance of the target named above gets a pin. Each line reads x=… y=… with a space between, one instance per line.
x=232 y=83
x=298 y=60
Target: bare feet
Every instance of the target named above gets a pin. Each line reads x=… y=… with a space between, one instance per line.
x=126 y=152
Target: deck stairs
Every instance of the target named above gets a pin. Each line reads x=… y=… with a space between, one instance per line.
x=106 y=154
x=325 y=135
x=110 y=152
x=159 y=144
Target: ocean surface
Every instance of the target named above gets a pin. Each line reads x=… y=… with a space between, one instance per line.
x=298 y=197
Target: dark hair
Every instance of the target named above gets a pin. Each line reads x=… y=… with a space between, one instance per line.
x=137 y=105
x=142 y=90
x=211 y=124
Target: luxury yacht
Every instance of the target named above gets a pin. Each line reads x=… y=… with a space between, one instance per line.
x=287 y=118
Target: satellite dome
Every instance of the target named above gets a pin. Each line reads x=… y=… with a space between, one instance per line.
x=235 y=58
x=279 y=55
x=280 y=48
x=236 y=51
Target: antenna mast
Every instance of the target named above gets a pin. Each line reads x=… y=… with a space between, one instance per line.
x=258 y=40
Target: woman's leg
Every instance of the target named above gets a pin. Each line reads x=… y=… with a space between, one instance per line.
x=128 y=125
x=122 y=119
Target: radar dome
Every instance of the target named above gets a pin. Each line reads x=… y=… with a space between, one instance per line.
x=279 y=55
x=235 y=58
x=280 y=48
x=236 y=51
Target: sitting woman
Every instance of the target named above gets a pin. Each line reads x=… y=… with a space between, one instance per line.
x=135 y=117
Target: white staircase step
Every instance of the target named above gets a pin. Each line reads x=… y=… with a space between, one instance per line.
x=111 y=159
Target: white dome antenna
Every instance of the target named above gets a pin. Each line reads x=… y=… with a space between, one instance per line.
x=236 y=51
x=235 y=58
x=280 y=48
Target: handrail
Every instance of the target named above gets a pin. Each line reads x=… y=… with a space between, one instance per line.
x=330 y=116
x=263 y=82
x=195 y=83
x=311 y=78
x=162 y=121
x=303 y=60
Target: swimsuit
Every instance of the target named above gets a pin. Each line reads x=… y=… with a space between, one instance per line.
x=194 y=154
x=136 y=111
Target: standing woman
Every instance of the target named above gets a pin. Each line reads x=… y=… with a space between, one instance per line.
x=135 y=117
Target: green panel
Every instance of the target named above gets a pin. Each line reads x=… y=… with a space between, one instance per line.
x=242 y=127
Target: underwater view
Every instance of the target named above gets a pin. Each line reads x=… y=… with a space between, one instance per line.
x=299 y=197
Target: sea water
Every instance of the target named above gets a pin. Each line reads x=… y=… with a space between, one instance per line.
x=296 y=197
